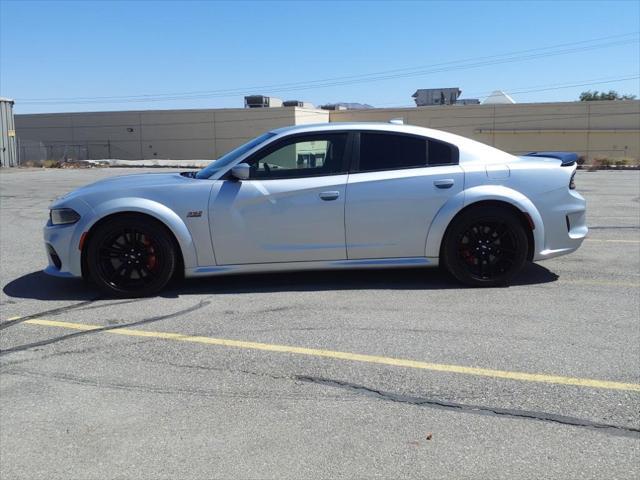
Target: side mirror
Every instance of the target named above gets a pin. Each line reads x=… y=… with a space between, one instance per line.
x=241 y=171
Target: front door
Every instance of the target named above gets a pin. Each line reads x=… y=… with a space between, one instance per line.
x=291 y=209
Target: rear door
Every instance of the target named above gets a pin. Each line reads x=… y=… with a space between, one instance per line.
x=396 y=187
x=291 y=209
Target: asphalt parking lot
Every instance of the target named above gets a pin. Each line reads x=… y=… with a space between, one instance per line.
x=370 y=374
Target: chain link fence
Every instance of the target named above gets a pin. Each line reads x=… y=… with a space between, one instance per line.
x=34 y=153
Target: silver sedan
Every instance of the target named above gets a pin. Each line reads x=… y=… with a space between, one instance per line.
x=329 y=196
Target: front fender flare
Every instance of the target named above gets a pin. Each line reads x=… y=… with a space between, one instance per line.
x=154 y=209
x=477 y=194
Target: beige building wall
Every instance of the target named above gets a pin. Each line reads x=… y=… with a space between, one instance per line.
x=306 y=116
x=593 y=129
x=153 y=134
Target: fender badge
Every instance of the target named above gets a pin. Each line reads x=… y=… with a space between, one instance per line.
x=195 y=213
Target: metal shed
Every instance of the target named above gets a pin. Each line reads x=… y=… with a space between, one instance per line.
x=8 y=156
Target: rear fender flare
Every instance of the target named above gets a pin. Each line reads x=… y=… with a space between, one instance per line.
x=477 y=194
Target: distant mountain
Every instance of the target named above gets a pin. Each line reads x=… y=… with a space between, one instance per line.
x=354 y=105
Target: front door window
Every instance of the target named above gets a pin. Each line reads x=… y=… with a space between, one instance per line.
x=307 y=156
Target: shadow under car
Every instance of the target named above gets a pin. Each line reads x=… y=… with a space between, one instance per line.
x=40 y=286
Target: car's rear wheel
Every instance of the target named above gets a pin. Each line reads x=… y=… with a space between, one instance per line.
x=131 y=256
x=485 y=247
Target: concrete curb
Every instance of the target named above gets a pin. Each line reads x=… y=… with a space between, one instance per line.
x=149 y=163
x=623 y=168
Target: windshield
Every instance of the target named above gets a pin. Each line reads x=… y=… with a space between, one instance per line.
x=231 y=156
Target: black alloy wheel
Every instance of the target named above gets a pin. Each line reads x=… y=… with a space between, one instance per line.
x=131 y=256
x=485 y=246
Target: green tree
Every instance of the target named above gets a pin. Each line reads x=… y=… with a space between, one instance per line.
x=590 y=96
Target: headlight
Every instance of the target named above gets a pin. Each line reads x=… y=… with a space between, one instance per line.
x=572 y=182
x=63 y=216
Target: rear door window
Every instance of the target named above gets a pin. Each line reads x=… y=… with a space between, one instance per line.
x=441 y=153
x=388 y=151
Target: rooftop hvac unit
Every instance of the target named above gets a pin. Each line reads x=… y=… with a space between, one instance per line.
x=436 y=96
x=297 y=103
x=260 y=101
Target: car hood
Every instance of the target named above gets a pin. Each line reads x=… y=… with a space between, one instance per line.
x=125 y=185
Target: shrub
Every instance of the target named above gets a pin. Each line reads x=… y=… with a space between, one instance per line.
x=603 y=161
x=606 y=162
x=51 y=164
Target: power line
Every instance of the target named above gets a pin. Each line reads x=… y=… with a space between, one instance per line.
x=355 y=79
x=341 y=77
x=343 y=83
x=537 y=88
x=571 y=85
x=544 y=88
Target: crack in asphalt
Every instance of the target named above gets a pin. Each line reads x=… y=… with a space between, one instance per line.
x=360 y=389
x=81 y=306
x=49 y=341
x=79 y=351
x=352 y=387
x=610 y=429
x=152 y=389
x=52 y=312
x=475 y=409
x=121 y=302
x=228 y=370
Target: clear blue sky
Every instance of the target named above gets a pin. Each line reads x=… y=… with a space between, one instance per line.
x=60 y=50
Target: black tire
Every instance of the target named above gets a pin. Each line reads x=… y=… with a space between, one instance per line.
x=131 y=256
x=485 y=247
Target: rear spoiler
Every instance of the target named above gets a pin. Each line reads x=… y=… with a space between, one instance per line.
x=567 y=158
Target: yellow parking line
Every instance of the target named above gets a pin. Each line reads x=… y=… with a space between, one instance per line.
x=355 y=357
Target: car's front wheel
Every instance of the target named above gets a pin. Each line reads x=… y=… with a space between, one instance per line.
x=485 y=247
x=131 y=256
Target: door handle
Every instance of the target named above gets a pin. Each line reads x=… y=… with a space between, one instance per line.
x=444 y=183
x=331 y=195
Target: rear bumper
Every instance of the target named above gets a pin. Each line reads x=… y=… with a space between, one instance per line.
x=563 y=213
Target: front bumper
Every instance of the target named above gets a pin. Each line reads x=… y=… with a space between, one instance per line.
x=62 y=251
x=62 y=242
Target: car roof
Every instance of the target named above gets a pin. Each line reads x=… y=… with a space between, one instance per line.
x=378 y=126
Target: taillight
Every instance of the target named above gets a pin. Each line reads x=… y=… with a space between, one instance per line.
x=572 y=182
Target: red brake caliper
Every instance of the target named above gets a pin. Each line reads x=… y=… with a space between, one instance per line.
x=467 y=255
x=151 y=258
